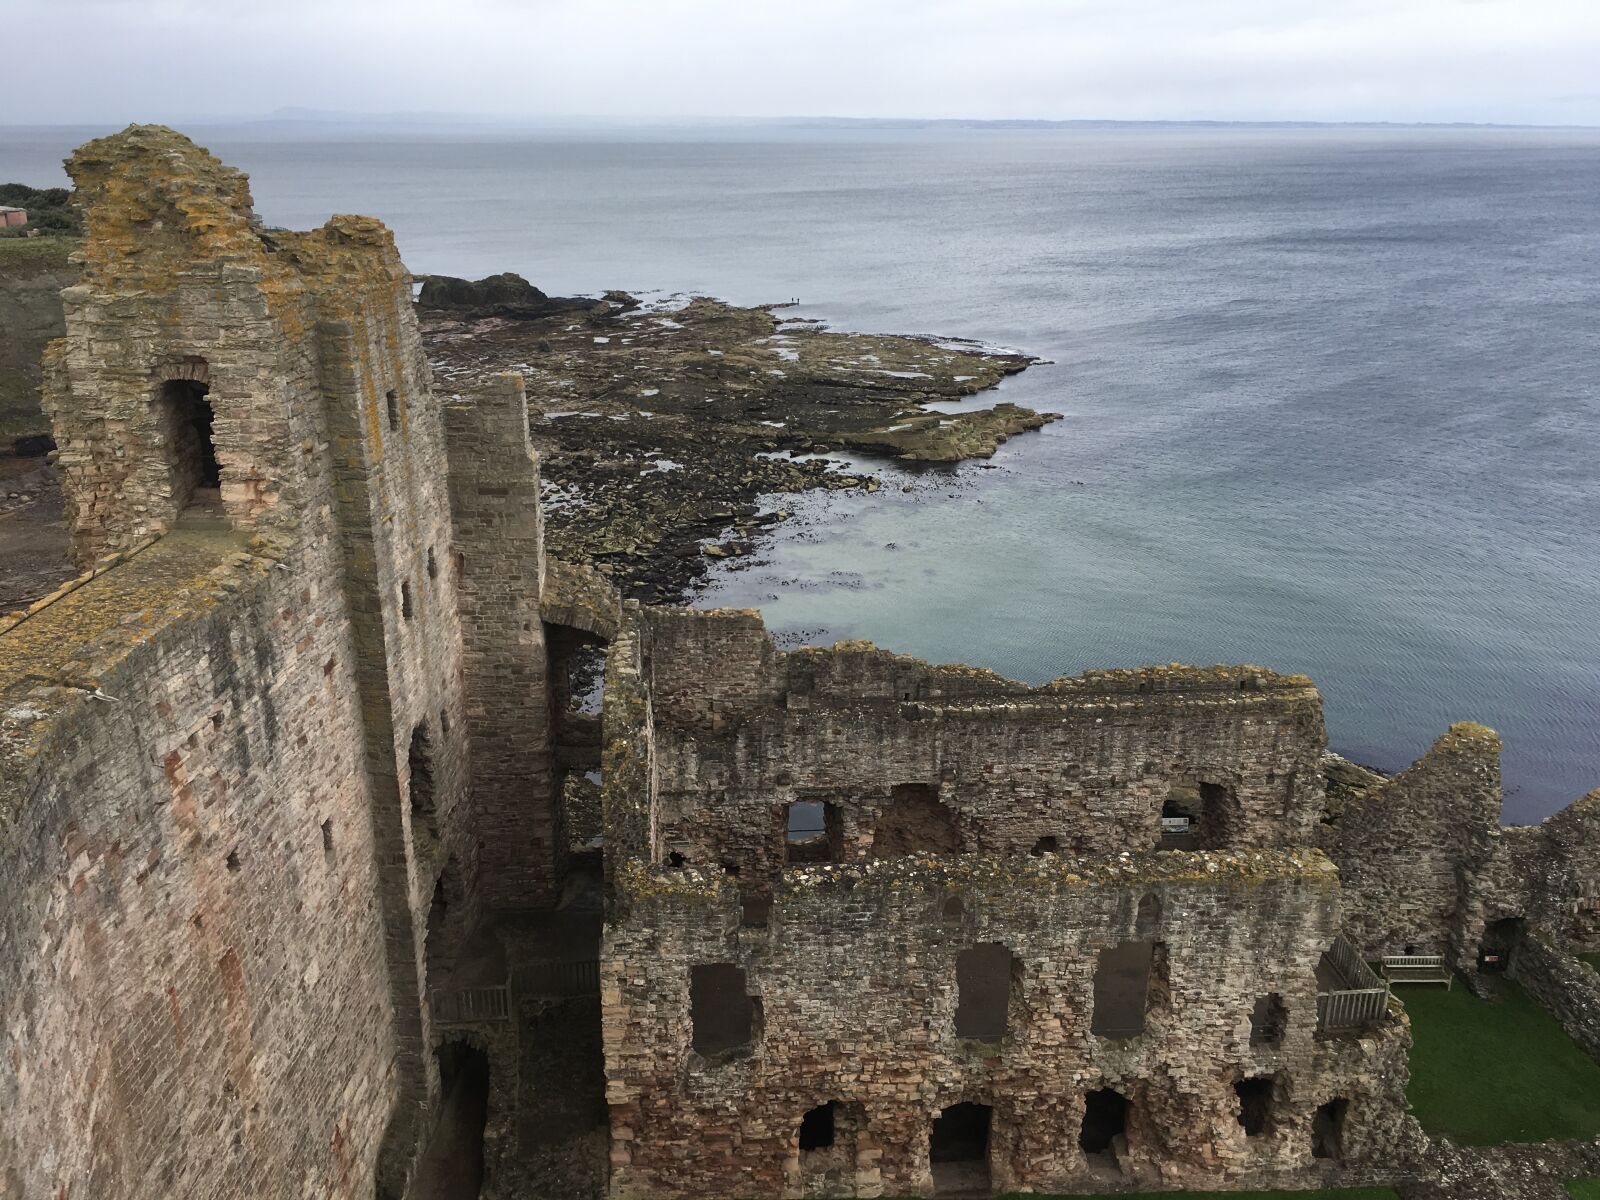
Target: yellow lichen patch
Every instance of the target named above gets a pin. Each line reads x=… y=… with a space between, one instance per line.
x=71 y=639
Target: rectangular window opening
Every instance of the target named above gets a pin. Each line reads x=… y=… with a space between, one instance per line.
x=1268 y=1020
x=1122 y=989
x=811 y=832
x=721 y=1010
x=984 y=978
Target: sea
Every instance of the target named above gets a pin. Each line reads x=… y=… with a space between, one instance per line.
x=1330 y=396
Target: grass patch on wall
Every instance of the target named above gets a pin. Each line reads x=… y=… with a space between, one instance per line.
x=1584 y=1189
x=1484 y=1073
x=1592 y=959
x=37 y=251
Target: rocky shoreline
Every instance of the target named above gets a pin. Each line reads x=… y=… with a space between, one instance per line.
x=670 y=430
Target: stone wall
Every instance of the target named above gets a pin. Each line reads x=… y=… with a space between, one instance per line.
x=1564 y=985
x=852 y=968
x=1564 y=877
x=1413 y=852
x=193 y=993
x=1084 y=765
x=855 y=973
x=498 y=576
x=1426 y=863
x=220 y=875
x=32 y=273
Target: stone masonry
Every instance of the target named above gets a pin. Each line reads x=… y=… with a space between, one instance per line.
x=852 y=965
x=237 y=751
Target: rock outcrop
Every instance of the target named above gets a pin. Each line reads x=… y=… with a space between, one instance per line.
x=505 y=295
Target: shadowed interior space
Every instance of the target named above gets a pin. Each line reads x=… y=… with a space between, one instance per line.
x=958 y=1149
x=452 y=1166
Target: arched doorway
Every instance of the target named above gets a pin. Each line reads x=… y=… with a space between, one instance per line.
x=188 y=438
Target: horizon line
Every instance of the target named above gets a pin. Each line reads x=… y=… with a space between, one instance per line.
x=306 y=116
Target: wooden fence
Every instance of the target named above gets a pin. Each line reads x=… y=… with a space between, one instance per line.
x=1362 y=1002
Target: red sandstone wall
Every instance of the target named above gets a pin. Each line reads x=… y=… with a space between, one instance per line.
x=856 y=977
x=176 y=1025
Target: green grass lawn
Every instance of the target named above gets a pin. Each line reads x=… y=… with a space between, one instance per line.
x=1320 y=1194
x=1506 y=1072
x=1592 y=959
x=1584 y=1189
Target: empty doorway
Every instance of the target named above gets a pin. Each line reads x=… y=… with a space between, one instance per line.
x=451 y=1168
x=196 y=475
x=1105 y=1127
x=958 y=1150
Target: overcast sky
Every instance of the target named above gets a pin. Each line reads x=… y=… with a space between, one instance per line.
x=1511 y=61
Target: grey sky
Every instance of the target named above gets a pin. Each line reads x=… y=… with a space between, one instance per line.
x=1532 y=61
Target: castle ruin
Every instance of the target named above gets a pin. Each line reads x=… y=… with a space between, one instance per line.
x=306 y=833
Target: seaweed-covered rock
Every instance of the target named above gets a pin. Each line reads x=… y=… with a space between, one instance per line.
x=505 y=295
x=666 y=429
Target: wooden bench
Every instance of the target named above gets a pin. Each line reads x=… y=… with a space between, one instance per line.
x=1416 y=968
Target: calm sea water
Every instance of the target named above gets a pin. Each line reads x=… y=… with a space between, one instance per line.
x=1331 y=395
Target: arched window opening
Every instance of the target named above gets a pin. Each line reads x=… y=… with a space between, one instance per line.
x=1180 y=814
x=1148 y=919
x=191 y=449
x=1499 y=946
x=816 y=1128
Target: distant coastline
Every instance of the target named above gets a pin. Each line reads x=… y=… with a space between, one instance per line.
x=301 y=118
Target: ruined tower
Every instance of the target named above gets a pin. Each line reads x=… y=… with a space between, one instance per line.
x=236 y=803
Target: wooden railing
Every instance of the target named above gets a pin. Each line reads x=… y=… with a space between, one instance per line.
x=1361 y=1002
x=472 y=1006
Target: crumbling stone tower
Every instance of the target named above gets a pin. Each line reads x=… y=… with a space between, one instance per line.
x=236 y=808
